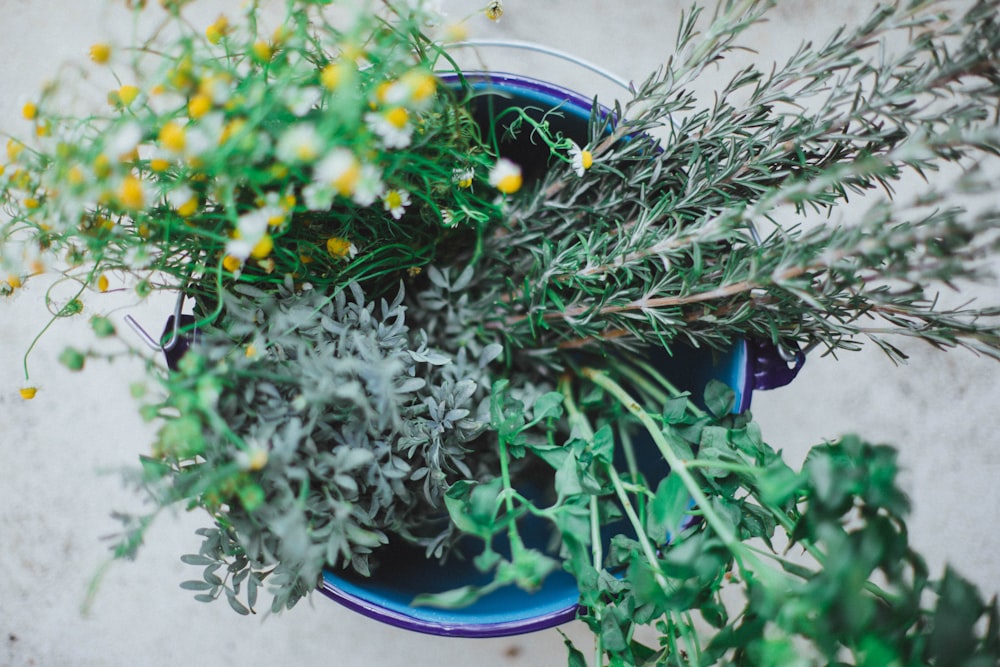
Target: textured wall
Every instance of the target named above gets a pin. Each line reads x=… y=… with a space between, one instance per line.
x=59 y=452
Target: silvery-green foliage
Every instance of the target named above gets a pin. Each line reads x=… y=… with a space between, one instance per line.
x=364 y=425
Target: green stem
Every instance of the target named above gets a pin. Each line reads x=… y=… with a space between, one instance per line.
x=640 y=533
x=676 y=463
x=516 y=545
x=597 y=549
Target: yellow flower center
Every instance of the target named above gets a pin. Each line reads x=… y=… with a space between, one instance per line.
x=127 y=94
x=102 y=166
x=188 y=208
x=306 y=152
x=347 y=181
x=14 y=149
x=338 y=247
x=102 y=283
x=28 y=393
x=258 y=459
x=159 y=165
x=75 y=175
x=131 y=193
x=398 y=117
x=199 y=105
x=231 y=263
x=393 y=199
x=29 y=111
x=173 y=137
x=331 y=76
x=509 y=184
x=263 y=247
x=456 y=32
x=263 y=51
x=14 y=281
x=232 y=128
x=422 y=85
x=494 y=10
x=586 y=159
x=217 y=30
x=100 y=53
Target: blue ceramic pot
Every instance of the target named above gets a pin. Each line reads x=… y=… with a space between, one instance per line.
x=404 y=572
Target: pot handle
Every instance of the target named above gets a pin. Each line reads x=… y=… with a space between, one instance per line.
x=772 y=366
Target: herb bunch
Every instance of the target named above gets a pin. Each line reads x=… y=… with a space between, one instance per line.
x=671 y=240
x=394 y=324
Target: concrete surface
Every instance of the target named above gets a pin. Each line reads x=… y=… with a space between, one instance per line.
x=59 y=453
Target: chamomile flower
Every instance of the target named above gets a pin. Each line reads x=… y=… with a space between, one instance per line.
x=183 y=200
x=100 y=53
x=505 y=176
x=463 y=177
x=340 y=171
x=131 y=193
x=414 y=89
x=494 y=10
x=392 y=126
x=300 y=100
x=580 y=158
x=370 y=186
x=300 y=143
x=395 y=202
x=250 y=232
x=218 y=30
x=173 y=137
x=334 y=74
x=341 y=248
x=122 y=140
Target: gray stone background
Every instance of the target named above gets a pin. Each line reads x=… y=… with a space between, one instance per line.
x=59 y=453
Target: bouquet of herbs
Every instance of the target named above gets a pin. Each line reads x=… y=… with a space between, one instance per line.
x=392 y=316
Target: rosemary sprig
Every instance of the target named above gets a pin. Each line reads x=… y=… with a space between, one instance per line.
x=660 y=243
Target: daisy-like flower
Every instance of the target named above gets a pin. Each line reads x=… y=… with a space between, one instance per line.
x=494 y=10
x=414 y=89
x=173 y=137
x=395 y=202
x=370 y=186
x=333 y=75
x=340 y=171
x=463 y=177
x=580 y=158
x=122 y=140
x=392 y=126
x=249 y=236
x=302 y=100
x=183 y=200
x=341 y=248
x=300 y=143
x=505 y=176
x=132 y=193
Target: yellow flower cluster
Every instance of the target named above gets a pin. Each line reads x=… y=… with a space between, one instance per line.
x=228 y=161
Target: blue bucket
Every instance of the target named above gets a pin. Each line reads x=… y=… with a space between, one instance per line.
x=404 y=572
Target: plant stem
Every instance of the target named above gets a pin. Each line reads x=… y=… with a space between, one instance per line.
x=676 y=463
